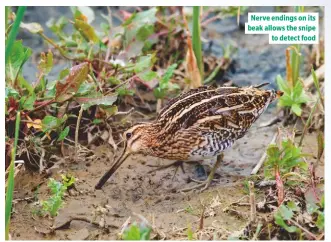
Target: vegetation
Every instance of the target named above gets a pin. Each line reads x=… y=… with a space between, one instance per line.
x=137 y=232
x=112 y=76
x=52 y=205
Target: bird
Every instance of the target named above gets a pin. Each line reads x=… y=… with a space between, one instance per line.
x=196 y=125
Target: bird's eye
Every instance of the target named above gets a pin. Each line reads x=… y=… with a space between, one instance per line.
x=128 y=135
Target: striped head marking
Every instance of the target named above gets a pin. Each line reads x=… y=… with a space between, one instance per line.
x=138 y=138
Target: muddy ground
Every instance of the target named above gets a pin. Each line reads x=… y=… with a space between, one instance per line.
x=153 y=195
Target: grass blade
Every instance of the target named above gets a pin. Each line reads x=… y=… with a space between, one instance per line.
x=13 y=33
x=10 y=185
x=317 y=86
x=310 y=117
x=196 y=39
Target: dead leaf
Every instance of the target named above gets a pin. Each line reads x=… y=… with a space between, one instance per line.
x=191 y=65
x=34 y=123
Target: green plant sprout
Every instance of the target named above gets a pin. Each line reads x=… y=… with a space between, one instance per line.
x=53 y=204
x=137 y=232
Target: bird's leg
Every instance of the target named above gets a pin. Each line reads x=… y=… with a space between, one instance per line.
x=177 y=163
x=205 y=184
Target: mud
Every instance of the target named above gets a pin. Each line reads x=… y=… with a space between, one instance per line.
x=154 y=195
x=132 y=189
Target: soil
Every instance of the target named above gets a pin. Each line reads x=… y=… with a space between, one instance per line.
x=153 y=195
x=133 y=190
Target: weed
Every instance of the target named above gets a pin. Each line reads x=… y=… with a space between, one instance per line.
x=137 y=232
x=293 y=97
x=53 y=204
x=190 y=233
x=283 y=159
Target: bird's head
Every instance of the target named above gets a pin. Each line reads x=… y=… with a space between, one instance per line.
x=140 y=138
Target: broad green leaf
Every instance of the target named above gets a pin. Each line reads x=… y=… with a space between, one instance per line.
x=283 y=86
x=144 y=63
x=50 y=122
x=85 y=88
x=64 y=133
x=24 y=83
x=279 y=220
x=27 y=102
x=11 y=92
x=146 y=17
x=91 y=101
x=63 y=73
x=67 y=89
x=86 y=30
x=285 y=212
x=51 y=89
x=147 y=75
x=297 y=90
x=311 y=201
x=46 y=62
x=144 y=32
x=169 y=73
x=285 y=101
x=296 y=109
x=303 y=98
x=18 y=56
x=34 y=28
x=159 y=93
x=137 y=29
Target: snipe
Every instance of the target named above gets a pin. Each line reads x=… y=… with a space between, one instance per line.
x=197 y=125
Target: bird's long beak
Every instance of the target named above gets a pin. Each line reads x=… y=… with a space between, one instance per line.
x=114 y=167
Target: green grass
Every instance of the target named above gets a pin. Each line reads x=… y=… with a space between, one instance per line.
x=10 y=182
x=13 y=33
x=196 y=39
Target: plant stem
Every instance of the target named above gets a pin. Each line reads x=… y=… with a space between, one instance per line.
x=10 y=185
x=62 y=52
x=42 y=105
x=14 y=31
x=308 y=123
x=6 y=16
x=310 y=234
x=317 y=86
x=196 y=39
x=224 y=64
x=77 y=128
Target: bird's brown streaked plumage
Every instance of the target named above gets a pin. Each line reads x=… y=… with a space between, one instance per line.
x=198 y=124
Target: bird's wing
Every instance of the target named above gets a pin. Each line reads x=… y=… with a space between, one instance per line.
x=232 y=109
x=185 y=100
x=180 y=97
